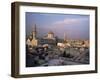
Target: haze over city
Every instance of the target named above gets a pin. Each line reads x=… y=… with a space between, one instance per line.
x=56 y=39
x=74 y=26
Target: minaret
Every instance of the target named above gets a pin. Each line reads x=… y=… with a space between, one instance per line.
x=34 y=41
x=65 y=37
x=35 y=29
x=34 y=32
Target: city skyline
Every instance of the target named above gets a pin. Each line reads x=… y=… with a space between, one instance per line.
x=74 y=26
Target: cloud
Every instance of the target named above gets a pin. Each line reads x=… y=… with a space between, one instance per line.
x=70 y=21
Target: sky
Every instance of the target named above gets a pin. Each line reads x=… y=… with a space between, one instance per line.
x=75 y=26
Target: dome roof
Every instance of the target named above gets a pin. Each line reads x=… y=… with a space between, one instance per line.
x=50 y=32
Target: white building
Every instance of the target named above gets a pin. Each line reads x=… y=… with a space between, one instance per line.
x=50 y=35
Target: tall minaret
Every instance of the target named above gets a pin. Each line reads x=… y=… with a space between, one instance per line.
x=34 y=32
x=64 y=36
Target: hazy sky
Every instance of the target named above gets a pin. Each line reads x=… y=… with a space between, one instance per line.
x=74 y=26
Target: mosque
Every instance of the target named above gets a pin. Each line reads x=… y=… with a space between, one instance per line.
x=33 y=39
x=50 y=35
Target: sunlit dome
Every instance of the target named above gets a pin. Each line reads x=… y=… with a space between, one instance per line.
x=50 y=32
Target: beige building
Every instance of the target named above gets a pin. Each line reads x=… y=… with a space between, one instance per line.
x=50 y=35
x=32 y=40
